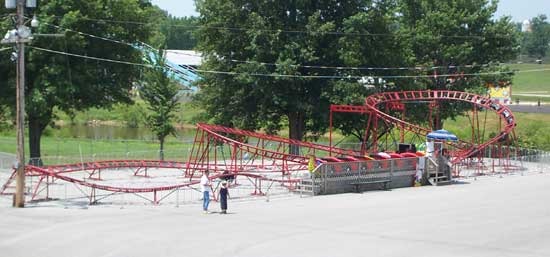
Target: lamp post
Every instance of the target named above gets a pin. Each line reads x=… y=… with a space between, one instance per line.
x=20 y=36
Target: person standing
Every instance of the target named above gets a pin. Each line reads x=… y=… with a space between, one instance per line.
x=205 y=186
x=223 y=194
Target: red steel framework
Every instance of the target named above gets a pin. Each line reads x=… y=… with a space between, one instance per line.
x=233 y=152
x=378 y=105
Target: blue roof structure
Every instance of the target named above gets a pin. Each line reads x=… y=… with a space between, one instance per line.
x=442 y=135
x=185 y=75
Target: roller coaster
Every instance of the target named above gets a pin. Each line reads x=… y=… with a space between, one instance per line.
x=232 y=152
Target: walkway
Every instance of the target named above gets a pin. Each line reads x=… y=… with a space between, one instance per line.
x=490 y=216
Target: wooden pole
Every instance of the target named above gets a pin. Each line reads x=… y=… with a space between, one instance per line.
x=20 y=112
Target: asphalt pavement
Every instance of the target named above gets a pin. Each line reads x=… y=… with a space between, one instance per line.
x=490 y=216
x=527 y=108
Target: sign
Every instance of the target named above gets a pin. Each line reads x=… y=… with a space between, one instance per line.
x=500 y=93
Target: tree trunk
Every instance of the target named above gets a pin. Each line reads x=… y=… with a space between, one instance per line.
x=437 y=123
x=295 y=130
x=161 y=148
x=35 y=135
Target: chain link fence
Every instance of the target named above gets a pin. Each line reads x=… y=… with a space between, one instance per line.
x=7 y=161
x=74 y=150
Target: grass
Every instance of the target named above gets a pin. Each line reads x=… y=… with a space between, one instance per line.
x=531 y=99
x=66 y=150
x=525 y=82
x=531 y=128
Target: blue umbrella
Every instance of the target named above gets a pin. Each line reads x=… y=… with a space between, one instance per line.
x=442 y=135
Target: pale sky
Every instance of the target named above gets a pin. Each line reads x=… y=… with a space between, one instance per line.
x=519 y=9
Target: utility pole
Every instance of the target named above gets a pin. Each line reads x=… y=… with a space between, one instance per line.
x=20 y=36
x=20 y=119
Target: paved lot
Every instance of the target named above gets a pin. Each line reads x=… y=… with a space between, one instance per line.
x=489 y=216
x=530 y=108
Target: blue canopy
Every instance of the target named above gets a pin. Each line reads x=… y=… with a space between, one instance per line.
x=442 y=135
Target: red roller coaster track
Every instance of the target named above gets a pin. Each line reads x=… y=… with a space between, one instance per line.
x=374 y=102
x=231 y=151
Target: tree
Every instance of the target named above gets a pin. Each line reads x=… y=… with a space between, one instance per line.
x=179 y=32
x=160 y=93
x=72 y=83
x=537 y=41
x=273 y=38
x=7 y=68
x=452 y=35
x=254 y=42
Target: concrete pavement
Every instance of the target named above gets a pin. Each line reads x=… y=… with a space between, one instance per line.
x=489 y=216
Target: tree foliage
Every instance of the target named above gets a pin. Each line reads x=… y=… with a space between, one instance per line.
x=160 y=93
x=179 y=32
x=71 y=83
x=537 y=41
x=281 y=37
x=452 y=35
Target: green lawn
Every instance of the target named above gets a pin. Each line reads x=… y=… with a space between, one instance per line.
x=69 y=150
x=532 y=128
x=525 y=82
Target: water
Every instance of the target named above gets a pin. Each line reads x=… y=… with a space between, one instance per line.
x=100 y=132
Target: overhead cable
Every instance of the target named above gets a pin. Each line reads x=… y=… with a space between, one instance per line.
x=417 y=68
x=294 y=75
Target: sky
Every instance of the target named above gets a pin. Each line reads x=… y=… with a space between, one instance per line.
x=519 y=9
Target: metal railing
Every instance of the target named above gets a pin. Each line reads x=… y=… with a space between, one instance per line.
x=339 y=175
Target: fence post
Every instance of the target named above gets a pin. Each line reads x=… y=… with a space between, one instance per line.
x=324 y=177
x=392 y=161
x=177 y=197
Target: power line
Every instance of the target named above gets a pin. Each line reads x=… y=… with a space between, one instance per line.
x=417 y=68
x=291 y=75
x=91 y=57
x=412 y=68
x=91 y=35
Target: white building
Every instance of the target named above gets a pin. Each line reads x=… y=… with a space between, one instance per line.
x=184 y=57
x=526 y=26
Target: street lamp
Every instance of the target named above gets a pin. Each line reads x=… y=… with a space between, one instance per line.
x=21 y=35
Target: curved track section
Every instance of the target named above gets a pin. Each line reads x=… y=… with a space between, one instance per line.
x=90 y=175
x=234 y=152
x=255 y=150
x=219 y=131
x=375 y=101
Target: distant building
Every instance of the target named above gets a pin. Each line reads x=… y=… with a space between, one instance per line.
x=183 y=64
x=184 y=57
x=526 y=26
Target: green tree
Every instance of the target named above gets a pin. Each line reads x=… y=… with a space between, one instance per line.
x=179 y=32
x=454 y=34
x=71 y=83
x=160 y=93
x=537 y=41
x=7 y=66
x=371 y=39
x=280 y=37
